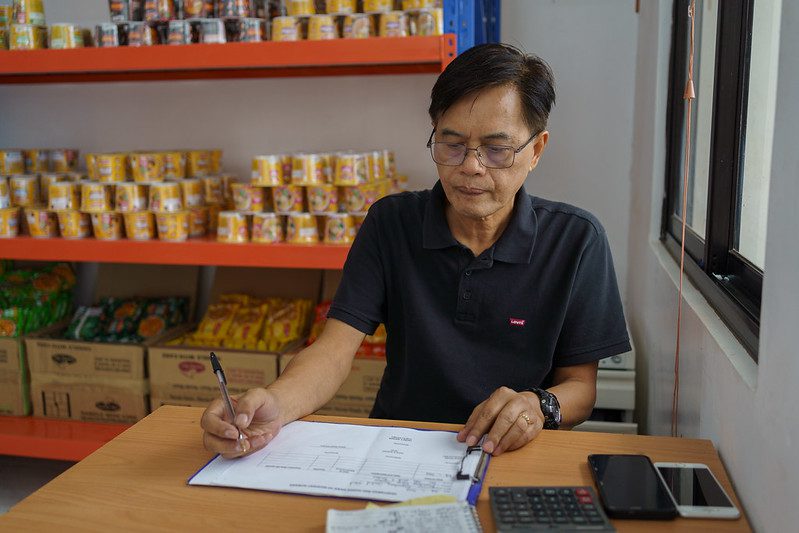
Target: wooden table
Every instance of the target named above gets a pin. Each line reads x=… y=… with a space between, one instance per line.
x=137 y=482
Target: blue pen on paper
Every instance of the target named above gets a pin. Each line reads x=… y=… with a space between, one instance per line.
x=220 y=376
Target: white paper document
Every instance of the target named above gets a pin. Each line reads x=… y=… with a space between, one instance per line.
x=440 y=518
x=352 y=461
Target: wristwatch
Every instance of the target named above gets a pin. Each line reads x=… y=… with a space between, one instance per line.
x=549 y=407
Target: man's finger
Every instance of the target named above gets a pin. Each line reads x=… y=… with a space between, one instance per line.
x=505 y=421
x=247 y=404
x=519 y=431
x=463 y=433
x=486 y=418
x=213 y=422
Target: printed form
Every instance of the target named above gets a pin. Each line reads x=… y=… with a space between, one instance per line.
x=351 y=461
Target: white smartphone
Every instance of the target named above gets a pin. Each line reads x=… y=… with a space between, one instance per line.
x=696 y=491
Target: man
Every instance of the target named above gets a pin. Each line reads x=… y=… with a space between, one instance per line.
x=488 y=295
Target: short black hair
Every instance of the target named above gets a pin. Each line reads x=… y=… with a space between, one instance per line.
x=495 y=65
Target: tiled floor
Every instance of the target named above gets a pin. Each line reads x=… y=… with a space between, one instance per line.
x=21 y=476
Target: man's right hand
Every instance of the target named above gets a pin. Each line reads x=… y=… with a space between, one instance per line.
x=257 y=416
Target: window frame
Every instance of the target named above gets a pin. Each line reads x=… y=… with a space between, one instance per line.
x=731 y=283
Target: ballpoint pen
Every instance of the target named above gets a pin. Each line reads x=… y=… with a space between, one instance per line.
x=220 y=376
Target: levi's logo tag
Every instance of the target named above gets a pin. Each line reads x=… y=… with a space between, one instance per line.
x=519 y=322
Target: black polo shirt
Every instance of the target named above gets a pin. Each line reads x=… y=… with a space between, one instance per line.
x=460 y=326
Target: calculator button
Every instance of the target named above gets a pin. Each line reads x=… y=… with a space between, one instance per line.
x=538 y=507
x=595 y=520
x=504 y=506
x=500 y=492
x=565 y=492
x=539 y=514
x=582 y=492
x=560 y=520
x=534 y=492
x=519 y=497
x=543 y=520
x=536 y=499
x=523 y=513
x=526 y=519
x=510 y=519
x=550 y=492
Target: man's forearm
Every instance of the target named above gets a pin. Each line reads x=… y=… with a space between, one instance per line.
x=576 y=397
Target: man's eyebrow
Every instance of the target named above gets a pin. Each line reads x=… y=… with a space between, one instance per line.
x=452 y=133
x=500 y=135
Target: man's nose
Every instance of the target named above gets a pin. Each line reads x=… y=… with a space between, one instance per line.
x=471 y=164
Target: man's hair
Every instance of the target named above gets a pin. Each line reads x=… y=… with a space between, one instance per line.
x=495 y=65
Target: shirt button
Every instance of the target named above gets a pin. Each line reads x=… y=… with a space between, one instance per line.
x=467 y=295
x=468 y=272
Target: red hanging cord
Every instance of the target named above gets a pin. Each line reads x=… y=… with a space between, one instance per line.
x=688 y=95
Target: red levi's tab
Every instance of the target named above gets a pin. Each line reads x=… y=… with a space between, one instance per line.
x=516 y=322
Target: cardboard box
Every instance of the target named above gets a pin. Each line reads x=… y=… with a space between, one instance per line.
x=182 y=375
x=357 y=394
x=14 y=381
x=122 y=401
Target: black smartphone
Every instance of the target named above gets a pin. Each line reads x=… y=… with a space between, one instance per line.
x=630 y=487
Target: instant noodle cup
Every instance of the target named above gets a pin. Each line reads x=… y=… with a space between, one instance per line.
x=212 y=31
x=340 y=7
x=5 y=196
x=322 y=199
x=179 y=32
x=376 y=165
x=351 y=169
x=339 y=228
x=155 y=10
x=147 y=167
x=6 y=15
x=359 y=198
x=247 y=197
x=173 y=227
x=300 y=8
x=198 y=163
x=95 y=197
x=321 y=28
x=130 y=197
x=107 y=226
x=74 y=224
x=165 y=197
x=91 y=167
x=111 y=168
x=174 y=165
x=250 y=30
x=389 y=162
x=11 y=162
x=286 y=29
x=141 y=34
x=308 y=169
x=426 y=22
x=24 y=190
x=301 y=228
x=213 y=190
x=198 y=221
x=140 y=225
x=358 y=26
x=213 y=217
x=3 y=36
x=63 y=195
x=267 y=170
x=198 y=9
x=106 y=35
x=267 y=228
x=27 y=37
x=287 y=199
x=357 y=220
x=234 y=8
x=192 y=191
x=393 y=24
x=45 y=180
x=36 y=161
x=42 y=223
x=28 y=12
x=227 y=193
x=232 y=227
x=215 y=161
x=63 y=159
x=377 y=6
x=63 y=36
x=9 y=222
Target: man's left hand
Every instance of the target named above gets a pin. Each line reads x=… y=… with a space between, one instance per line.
x=509 y=419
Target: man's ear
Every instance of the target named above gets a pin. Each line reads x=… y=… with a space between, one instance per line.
x=538 y=148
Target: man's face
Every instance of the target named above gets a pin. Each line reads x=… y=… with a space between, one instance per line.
x=493 y=116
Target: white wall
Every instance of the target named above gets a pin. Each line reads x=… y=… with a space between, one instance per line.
x=591 y=47
x=748 y=411
x=244 y=117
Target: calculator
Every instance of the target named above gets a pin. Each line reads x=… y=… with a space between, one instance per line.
x=520 y=509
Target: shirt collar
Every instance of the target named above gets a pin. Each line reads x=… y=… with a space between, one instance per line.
x=516 y=243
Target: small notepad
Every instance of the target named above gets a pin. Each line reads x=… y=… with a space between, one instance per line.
x=456 y=517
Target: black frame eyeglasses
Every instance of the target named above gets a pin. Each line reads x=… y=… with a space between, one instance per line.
x=484 y=152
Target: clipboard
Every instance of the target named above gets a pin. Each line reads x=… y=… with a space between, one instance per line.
x=474 y=470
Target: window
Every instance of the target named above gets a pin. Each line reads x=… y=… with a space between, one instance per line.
x=732 y=125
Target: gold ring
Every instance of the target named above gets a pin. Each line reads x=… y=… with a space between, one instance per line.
x=526 y=418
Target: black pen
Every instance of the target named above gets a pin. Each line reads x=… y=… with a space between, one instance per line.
x=220 y=376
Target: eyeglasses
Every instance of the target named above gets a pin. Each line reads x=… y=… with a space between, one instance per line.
x=489 y=155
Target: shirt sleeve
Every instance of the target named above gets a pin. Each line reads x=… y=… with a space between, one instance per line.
x=594 y=325
x=360 y=298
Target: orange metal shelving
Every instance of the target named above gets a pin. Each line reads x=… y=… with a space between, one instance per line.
x=405 y=55
x=44 y=438
x=192 y=252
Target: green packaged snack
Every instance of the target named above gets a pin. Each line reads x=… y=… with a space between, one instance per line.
x=11 y=322
x=122 y=315
x=86 y=325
